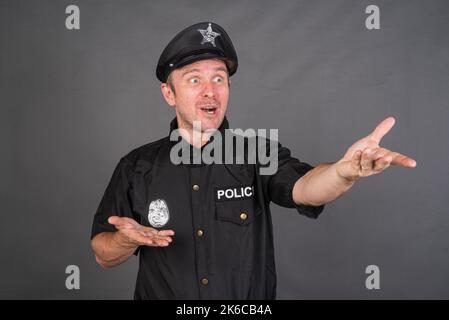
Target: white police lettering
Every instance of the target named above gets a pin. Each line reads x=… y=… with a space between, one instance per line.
x=208 y=35
x=235 y=193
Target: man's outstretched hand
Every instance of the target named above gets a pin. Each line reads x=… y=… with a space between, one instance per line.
x=133 y=234
x=365 y=157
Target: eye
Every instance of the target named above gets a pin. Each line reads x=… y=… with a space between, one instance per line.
x=218 y=79
x=194 y=80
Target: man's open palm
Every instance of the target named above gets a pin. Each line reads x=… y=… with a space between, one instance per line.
x=133 y=233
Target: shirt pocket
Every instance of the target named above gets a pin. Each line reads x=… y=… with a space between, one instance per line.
x=240 y=212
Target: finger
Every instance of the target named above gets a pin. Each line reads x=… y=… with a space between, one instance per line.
x=162 y=243
x=356 y=160
x=158 y=243
x=123 y=222
x=155 y=235
x=167 y=239
x=356 y=156
x=140 y=239
x=166 y=233
x=403 y=161
x=159 y=232
x=382 y=129
x=164 y=238
x=382 y=163
x=157 y=238
x=366 y=162
x=379 y=153
x=149 y=231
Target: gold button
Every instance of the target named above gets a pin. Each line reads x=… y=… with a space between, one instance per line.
x=243 y=216
x=199 y=233
x=196 y=187
x=204 y=282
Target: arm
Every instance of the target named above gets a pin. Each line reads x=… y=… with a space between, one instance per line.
x=320 y=186
x=110 y=250
x=114 y=248
x=364 y=158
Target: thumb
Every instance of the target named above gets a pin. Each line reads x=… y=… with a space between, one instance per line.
x=382 y=129
x=116 y=221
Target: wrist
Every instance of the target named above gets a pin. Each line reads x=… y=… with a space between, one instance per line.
x=343 y=174
x=123 y=241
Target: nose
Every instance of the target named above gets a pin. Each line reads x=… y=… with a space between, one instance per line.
x=208 y=90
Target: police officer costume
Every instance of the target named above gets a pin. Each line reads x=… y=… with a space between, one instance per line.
x=223 y=243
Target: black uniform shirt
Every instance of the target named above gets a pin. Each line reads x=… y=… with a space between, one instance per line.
x=223 y=243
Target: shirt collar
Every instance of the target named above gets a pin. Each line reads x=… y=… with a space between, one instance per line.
x=221 y=130
x=224 y=125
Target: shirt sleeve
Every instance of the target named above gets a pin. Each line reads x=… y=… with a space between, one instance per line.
x=116 y=200
x=279 y=186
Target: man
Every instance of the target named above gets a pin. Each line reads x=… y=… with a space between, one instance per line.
x=204 y=231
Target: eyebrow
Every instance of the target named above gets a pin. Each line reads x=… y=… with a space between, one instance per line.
x=198 y=70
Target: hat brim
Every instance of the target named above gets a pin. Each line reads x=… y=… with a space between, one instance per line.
x=230 y=64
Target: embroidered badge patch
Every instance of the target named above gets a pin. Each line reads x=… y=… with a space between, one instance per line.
x=158 y=214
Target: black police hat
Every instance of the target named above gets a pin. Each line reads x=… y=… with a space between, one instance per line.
x=205 y=40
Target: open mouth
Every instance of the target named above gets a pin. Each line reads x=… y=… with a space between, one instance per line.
x=209 y=110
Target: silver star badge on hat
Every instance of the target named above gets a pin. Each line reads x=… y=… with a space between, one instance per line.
x=209 y=35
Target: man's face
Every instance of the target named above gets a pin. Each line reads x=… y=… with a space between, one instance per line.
x=201 y=93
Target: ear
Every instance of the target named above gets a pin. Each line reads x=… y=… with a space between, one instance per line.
x=168 y=94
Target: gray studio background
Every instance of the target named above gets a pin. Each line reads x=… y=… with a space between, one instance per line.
x=74 y=102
